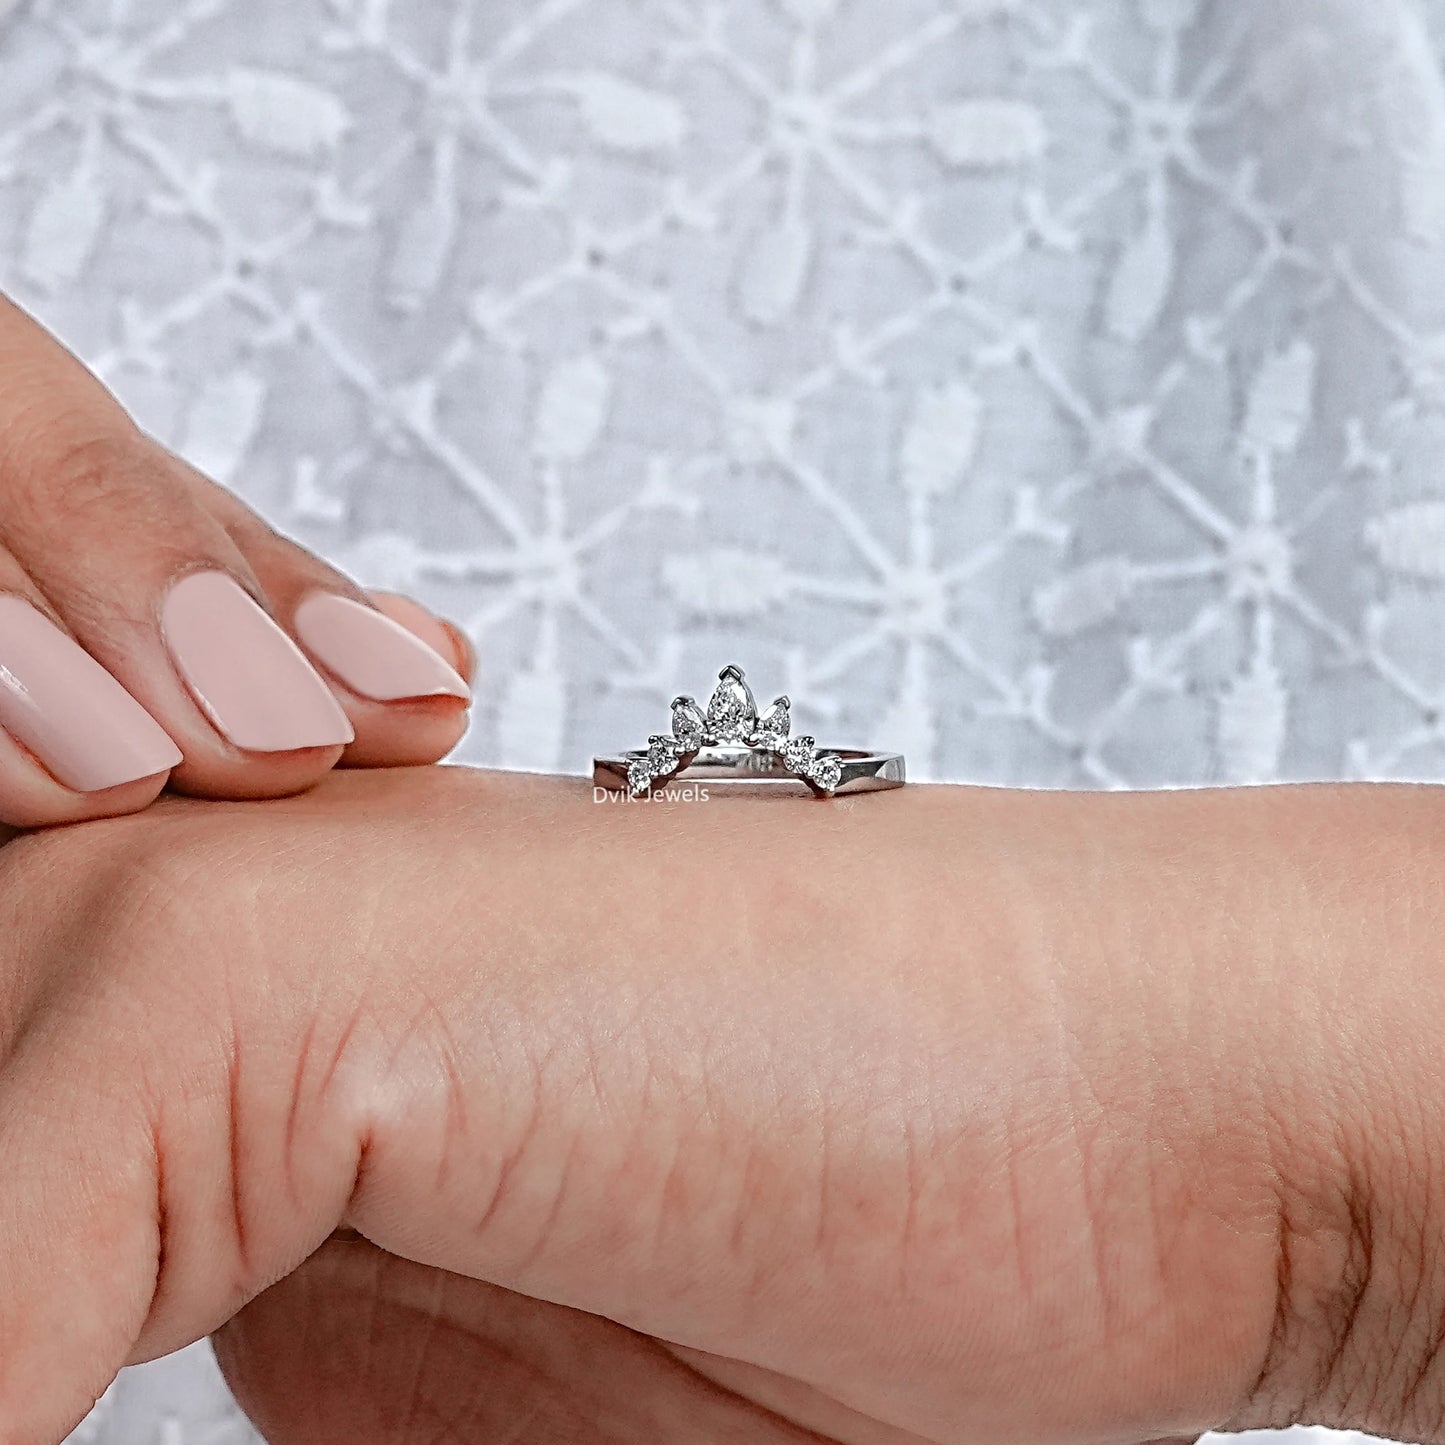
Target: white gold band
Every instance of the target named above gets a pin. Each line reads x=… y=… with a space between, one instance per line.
x=859 y=771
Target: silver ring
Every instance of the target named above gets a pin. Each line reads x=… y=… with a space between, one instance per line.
x=731 y=743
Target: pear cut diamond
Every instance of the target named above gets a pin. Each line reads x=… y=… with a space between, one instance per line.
x=772 y=729
x=688 y=723
x=731 y=712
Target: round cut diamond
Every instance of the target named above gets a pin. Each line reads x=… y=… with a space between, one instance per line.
x=799 y=753
x=661 y=755
x=639 y=776
x=826 y=771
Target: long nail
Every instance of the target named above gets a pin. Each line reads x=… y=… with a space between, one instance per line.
x=440 y=636
x=61 y=704
x=371 y=653
x=247 y=675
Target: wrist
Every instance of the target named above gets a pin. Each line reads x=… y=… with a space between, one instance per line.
x=1248 y=988
x=1355 y=998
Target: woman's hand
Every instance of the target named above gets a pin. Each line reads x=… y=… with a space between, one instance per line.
x=951 y=1115
x=153 y=629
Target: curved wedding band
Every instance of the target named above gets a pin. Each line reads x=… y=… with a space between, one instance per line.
x=730 y=743
x=860 y=771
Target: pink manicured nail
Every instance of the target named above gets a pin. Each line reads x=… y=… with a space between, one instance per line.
x=420 y=623
x=372 y=654
x=252 y=681
x=58 y=701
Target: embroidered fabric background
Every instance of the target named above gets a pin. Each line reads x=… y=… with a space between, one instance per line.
x=1054 y=389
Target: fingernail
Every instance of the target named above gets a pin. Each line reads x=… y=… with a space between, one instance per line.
x=421 y=623
x=59 y=702
x=248 y=677
x=373 y=654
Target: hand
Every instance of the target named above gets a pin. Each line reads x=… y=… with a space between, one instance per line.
x=953 y=1115
x=152 y=627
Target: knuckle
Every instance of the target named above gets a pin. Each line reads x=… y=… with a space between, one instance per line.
x=77 y=487
x=70 y=462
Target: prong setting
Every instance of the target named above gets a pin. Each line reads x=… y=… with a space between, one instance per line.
x=732 y=713
x=731 y=725
x=825 y=772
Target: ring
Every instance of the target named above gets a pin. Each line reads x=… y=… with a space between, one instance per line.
x=730 y=742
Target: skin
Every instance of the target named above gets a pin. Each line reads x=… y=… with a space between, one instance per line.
x=949 y=1115
x=97 y=520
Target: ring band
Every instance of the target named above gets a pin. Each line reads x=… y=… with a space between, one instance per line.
x=859 y=771
x=731 y=743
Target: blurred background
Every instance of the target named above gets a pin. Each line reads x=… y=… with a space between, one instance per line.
x=1053 y=389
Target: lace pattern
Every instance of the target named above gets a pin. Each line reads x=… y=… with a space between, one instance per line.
x=1069 y=379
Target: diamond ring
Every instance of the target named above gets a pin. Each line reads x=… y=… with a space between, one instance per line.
x=731 y=742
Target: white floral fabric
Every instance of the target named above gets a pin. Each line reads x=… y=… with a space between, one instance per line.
x=1054 y=389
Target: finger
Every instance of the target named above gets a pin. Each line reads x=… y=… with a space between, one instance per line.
x=75 y=744
x=111 y=532
x=438 y=633
x=393 y=675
